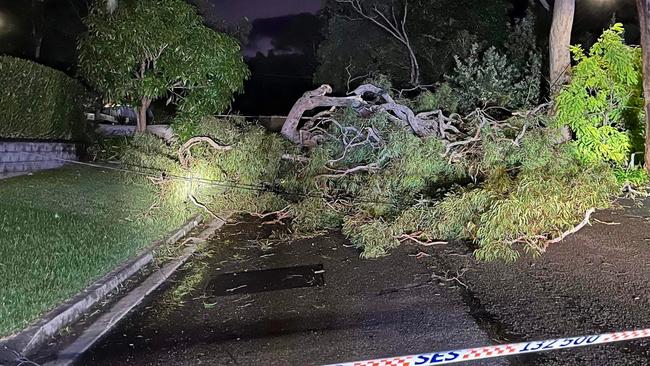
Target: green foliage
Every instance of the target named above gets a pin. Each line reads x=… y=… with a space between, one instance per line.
x=312 y=214
x=504 y=196
x=550 y=193
x=224 y=181
x=510 y=78
x=373 y=235
x=603 y=103
x=523 y=194
x=108 y=148
x=444 y=98
x=635 y=177
x=546 y=201
x=39 y=102
x=150 y=49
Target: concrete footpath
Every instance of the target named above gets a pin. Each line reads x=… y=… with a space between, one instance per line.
x=256 y=298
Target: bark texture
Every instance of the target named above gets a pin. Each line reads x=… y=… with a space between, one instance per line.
x=311 y=100
x=643 y=7
x=560 y=40
x=142 y=114
x=366 y=100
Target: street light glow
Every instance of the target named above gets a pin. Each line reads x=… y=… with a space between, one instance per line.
x=5 y=23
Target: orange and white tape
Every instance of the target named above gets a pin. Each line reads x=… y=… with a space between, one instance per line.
x=471 y=354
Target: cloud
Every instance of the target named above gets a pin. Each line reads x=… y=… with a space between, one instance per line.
x=233 y=10
x=288 y=34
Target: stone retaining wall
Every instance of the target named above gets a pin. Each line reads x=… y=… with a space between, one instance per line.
x=22 y=157
x=163 y=131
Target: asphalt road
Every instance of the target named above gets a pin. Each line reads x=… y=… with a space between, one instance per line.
x=219 y=311
x=595 y=281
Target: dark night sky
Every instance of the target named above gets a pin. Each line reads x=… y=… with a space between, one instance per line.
x=15 y=25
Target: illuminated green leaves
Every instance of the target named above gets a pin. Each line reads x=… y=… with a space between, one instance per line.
x=602 y=104
x=161 y=49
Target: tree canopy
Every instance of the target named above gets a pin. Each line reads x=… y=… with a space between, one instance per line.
x=152 y=49
x=437 y=30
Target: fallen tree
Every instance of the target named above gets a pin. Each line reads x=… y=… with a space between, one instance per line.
x=366 y=100
x=385 y=175
x=390 y=175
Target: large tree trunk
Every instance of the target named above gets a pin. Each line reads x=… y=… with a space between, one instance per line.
x=643 y=7
x=424 y=124
x=37 y=47
x=560 y=40
x=310 y=100
x=142 y=115
x=559 y=54
x=415 y=67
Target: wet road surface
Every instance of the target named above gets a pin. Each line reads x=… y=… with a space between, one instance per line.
x=255 y=297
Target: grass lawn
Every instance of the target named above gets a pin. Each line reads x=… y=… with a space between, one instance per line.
x=61 y=230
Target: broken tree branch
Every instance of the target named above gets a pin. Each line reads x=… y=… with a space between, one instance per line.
x=394 y=27
x=184 y=154
x=575 y=229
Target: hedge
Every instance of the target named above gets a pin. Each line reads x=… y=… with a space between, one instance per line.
x=38 y=102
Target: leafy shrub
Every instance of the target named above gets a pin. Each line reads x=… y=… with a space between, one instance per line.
x=603 y=103
x=635 y=176
x=509 y=78
x=443 y=98
x=39 y=102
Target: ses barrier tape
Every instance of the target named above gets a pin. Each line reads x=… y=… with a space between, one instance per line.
x=471 y=354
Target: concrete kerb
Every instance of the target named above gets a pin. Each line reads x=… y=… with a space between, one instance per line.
x=40 y=332
x=102 y=325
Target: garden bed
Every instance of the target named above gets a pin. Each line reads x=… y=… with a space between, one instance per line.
x=61 y=230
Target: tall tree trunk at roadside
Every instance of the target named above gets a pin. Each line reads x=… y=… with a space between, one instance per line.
x=559 y=54
x=643 y=7
x=560 y=40
x=142 y=114
x=37 y=47
x=111 y=5
x=38 y=21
